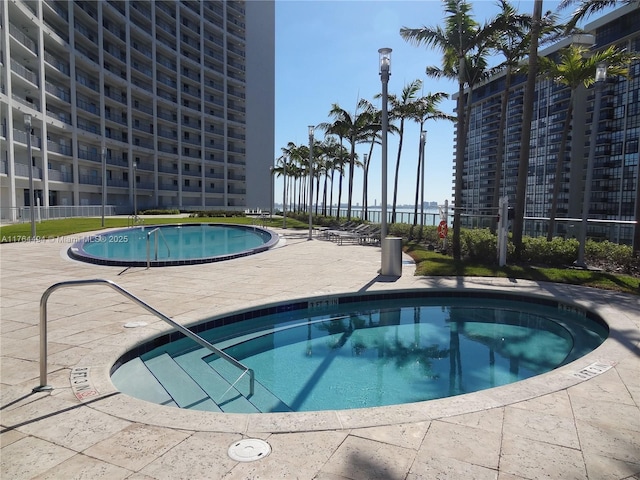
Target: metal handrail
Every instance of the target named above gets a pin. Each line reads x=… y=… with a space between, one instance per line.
x=185 y=331
x=156 y=231
x=133 y=220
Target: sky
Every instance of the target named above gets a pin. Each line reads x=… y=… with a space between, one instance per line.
x=327 y=52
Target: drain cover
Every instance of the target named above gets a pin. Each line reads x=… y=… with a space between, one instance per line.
x=249 y=450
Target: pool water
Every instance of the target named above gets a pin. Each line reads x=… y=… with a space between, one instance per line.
x=367 y=354
x=172 y=244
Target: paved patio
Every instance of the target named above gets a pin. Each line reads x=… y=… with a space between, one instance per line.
x=581 y=421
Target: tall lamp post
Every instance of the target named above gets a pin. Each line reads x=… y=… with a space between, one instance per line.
x=311 y=128
x=271 y=180
x=284 y=193
x=135 y=196
x=601 y=77
x=365 y=215
x=385 y=73
x=27 y=127
x=423 y=140
x=104 y=181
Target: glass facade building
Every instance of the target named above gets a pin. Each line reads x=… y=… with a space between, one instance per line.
x=615 y=175
x=175 y=96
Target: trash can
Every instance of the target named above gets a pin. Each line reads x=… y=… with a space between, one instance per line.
x=391 y=256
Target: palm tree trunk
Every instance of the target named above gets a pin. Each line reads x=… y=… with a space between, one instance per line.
x=636 y=228
x=352 y=161
x=460 y=145
x=418 y=179
x=339 y=195
x=324 y=194
x=559 y=169
x=317 y=192
x=333 y=171
x=527 y=115
x=500 y=149
x=395 y=182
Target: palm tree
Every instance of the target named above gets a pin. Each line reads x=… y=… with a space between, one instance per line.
x=339 y=128
x=425 y=108
x=572 y=69
x=330 y=151
x=374 y=137
x=401 y=109
x=460 y=37
x=512 y=43
x=527 y=115
x=355 y=129
x=588 y=7
x=280 y=170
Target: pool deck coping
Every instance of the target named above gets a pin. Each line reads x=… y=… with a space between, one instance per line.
x=85 y=342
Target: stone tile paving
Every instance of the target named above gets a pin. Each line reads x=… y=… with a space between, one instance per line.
x=555 y=426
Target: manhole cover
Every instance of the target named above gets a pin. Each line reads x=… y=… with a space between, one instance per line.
x=249 y=450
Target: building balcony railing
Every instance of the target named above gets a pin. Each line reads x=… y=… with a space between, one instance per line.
x=16 y=33
x=21 y=136
x=24 y=72
x=53 y=147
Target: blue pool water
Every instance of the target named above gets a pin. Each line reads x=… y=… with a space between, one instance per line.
x=172 y=244
x=351 y=353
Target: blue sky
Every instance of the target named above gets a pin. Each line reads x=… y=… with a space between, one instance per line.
x=327 y=52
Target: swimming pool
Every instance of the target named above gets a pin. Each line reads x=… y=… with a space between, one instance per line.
x=360 y=351
x=165 y=245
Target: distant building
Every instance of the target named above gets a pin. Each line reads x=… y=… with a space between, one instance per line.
x=178 y=95
x=615 y=177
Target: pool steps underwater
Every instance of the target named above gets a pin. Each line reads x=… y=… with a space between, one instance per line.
x=196 y=380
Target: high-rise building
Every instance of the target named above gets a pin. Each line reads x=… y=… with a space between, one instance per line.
x=177 y=97
x=615 y=174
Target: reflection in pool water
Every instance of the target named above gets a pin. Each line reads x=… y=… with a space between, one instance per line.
x=373 y=353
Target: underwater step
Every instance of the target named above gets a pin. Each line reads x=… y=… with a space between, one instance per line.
x=139 y=382
x=182 y=388
x=263 y=399
x=214 y=385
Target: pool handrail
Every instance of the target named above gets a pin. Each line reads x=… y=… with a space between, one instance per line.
x=185 y=331
x=134 y=220
x=156 y=231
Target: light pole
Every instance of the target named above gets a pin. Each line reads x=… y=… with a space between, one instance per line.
x=284 y=193
x=135 y=197
x=311 y=128
x=423 y=140
x=365 y=215
x=385 y=73
x=104 y=181
x=27 y=127
x=601 y=77
x=271 y=183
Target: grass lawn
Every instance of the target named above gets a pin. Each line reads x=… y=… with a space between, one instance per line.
x=428 y=263
x=68 y=226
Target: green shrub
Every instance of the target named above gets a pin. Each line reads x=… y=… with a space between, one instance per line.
x=157 y=211
x=426 y=234
x=216 y=213
x=611 y=256
x=558 y=252
x=478 y=244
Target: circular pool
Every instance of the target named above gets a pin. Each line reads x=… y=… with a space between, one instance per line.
x=356 y=351
x=165 y=245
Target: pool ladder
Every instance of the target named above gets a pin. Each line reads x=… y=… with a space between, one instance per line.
x=185 y=331
x=158 y=233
